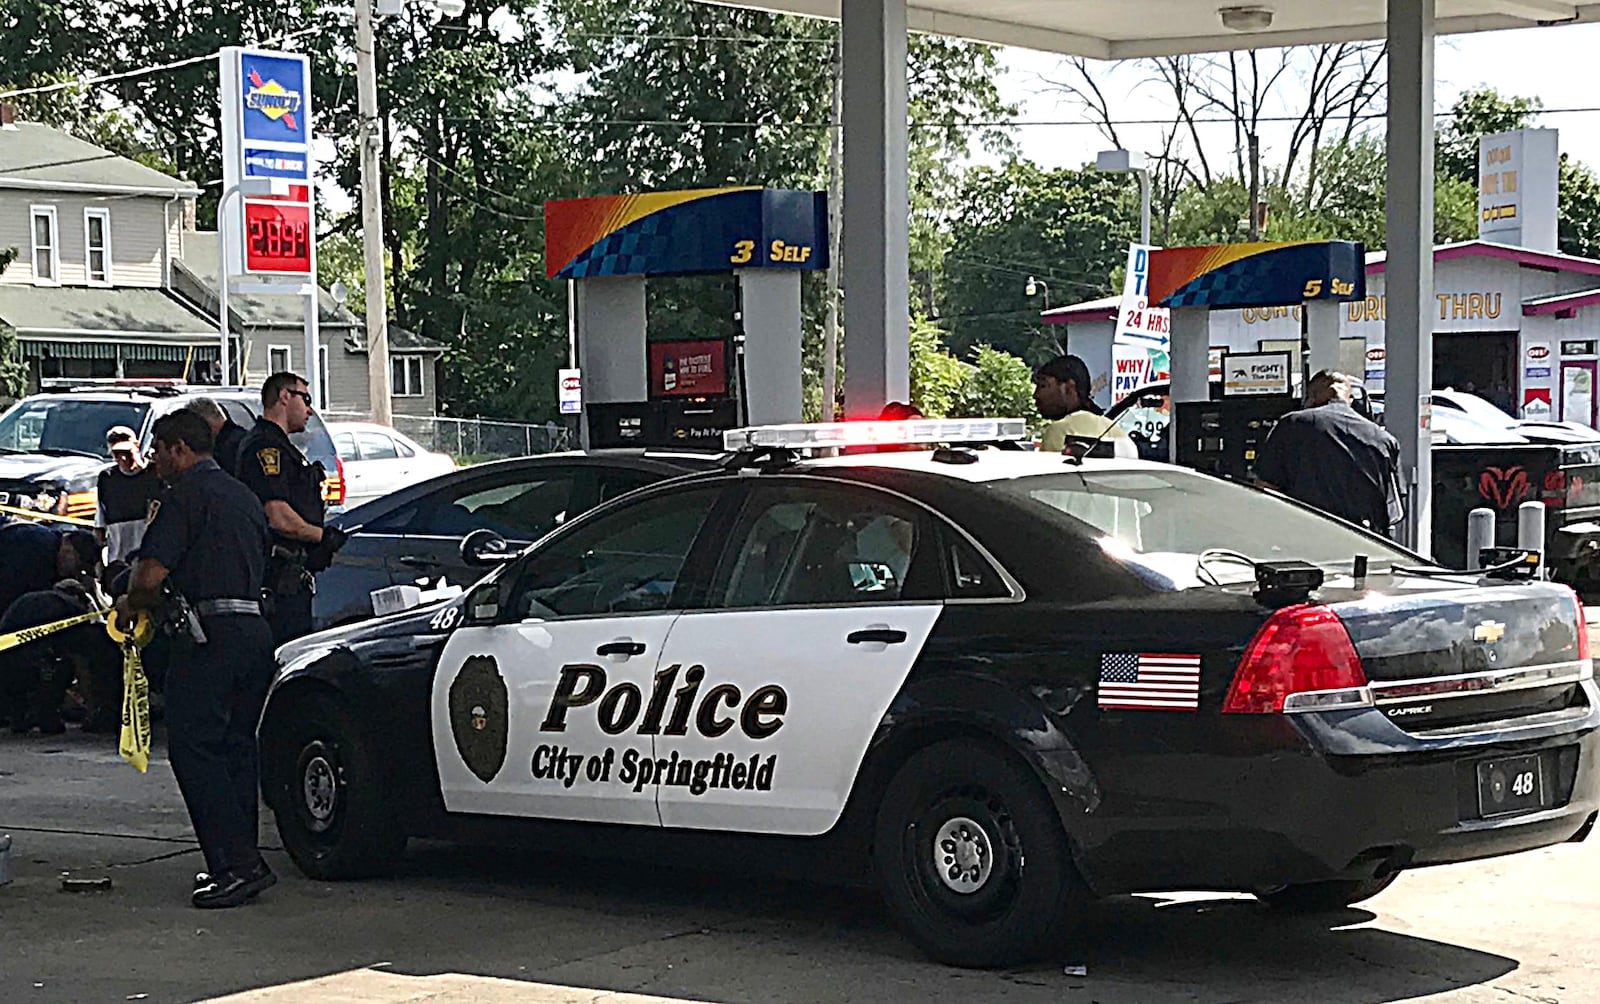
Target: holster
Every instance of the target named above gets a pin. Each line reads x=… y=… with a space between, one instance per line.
x=286 y=571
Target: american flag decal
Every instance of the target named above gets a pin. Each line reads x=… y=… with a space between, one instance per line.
x=1149 y=681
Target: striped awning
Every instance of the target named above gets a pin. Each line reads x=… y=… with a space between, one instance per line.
x=137 y=351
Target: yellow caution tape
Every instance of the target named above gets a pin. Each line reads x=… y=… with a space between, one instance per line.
x=134 y=742
x=26 y=635
x=48 y=516
x=144 y=629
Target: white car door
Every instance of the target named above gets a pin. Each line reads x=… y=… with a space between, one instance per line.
x=382 y=468
x=543 y=710
x=819 y=610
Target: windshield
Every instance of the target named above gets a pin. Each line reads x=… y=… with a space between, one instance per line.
x=1160 y=521
x=1477 y=409
x=43 y=424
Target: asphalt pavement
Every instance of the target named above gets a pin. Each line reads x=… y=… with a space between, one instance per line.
x=471 y=925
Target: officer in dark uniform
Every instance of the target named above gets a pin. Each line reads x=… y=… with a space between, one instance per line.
x=205 y=551
x=1329 y=456
x=290 y=489
x=226 y=434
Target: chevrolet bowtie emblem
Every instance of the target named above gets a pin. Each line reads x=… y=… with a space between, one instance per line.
x=1489 y=631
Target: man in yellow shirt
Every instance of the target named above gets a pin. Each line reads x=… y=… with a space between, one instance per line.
x=1061 y=392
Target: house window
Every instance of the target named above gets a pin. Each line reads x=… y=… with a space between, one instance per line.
x=97 y=239
x=406 y=376
x=322 y=378
x=277 y=359
x=46 y=247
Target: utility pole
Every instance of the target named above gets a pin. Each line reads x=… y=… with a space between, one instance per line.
x=1254 y=229
x=372 y=216
x=830 y=320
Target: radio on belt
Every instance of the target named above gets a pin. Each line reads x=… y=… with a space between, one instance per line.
x=818 y=435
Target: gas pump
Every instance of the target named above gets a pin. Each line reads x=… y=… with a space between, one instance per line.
x=1221 y=433
x=640 y=392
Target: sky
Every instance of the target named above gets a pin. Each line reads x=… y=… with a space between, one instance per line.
x=1553 y=64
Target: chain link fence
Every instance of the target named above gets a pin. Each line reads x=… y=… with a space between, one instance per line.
x=471 y=440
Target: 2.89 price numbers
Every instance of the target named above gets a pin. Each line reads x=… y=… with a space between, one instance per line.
x=277 y=238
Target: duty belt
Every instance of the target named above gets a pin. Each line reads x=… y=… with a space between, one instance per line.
x=212 y=608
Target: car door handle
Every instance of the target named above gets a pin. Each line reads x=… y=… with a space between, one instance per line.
x=418 y=561
x=622 y=646
x=882 y=636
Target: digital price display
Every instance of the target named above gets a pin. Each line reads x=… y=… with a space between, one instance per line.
x=277 y=238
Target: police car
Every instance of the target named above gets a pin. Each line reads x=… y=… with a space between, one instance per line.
x=1003 y=683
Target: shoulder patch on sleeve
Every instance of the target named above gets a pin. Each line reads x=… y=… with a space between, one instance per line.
x=150 y=511
x=268 y=457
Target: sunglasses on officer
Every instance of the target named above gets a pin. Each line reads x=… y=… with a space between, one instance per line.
x=301 y=394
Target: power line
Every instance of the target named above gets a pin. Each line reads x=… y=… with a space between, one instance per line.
x=130 y=74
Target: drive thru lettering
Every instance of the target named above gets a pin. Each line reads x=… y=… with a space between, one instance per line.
x=620 y=707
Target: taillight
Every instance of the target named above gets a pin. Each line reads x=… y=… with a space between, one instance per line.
x=80 y=505
x=333 y=487
x=1583 y=628
x=1302 y=659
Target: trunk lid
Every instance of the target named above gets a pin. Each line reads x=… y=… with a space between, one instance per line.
x=1463 y=655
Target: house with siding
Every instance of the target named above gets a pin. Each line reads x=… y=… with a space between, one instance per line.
x=110 y=279
x=269 y=335
x=94 y=235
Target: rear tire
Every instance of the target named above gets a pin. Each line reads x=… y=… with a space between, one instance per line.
x=1325 y=897
x=972 y=858
x=330 y=805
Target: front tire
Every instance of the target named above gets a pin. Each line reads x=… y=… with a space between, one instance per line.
x=1325 y=897
x=329 y=801
x=972 y=858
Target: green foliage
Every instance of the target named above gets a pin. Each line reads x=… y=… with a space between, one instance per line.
x=1578 y=229
x=1477 y=113
x=13 y=373
x=7 y=256
x=998 y=385
x=1069 y=229
x=937 y=377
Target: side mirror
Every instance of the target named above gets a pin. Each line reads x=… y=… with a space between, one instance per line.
x=484 y=549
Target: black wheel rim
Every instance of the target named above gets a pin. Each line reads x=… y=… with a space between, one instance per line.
x=963 y=856
x=319 y=793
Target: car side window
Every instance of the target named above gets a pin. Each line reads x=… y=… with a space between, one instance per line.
x=521 y=505
x=616 y=481
x=376 y=446
x=628 y=560
x=971 y=576
x=402 y=449
x=802 y=547
x=345 y=443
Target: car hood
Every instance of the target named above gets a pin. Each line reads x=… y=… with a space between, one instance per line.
x=34 y=468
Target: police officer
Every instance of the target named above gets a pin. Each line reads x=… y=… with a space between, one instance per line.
x=208 y=542
x=226 y=434
x=290 y=489
x=1328 y=456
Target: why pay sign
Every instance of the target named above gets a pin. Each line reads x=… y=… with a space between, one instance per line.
x=1138 y=323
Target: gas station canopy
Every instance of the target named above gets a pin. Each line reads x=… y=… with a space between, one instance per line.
x=1129 y=29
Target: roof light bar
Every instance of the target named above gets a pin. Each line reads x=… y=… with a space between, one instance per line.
x=841 y=434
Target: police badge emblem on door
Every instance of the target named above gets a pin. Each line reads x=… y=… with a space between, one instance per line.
x=479 y=716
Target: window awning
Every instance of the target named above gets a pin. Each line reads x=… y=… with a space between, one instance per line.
x=130 y=350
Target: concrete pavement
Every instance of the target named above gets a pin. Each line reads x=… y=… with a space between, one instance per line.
x=469 y=925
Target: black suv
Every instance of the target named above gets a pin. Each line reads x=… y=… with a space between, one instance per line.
x=53 y=444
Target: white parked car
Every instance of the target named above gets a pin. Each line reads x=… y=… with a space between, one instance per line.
x=379 y=460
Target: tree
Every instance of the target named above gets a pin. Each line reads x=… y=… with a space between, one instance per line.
x=1475 y=114
x=998 y=385
x=1068 y=228
x=1578 y=229
x=936 y=376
